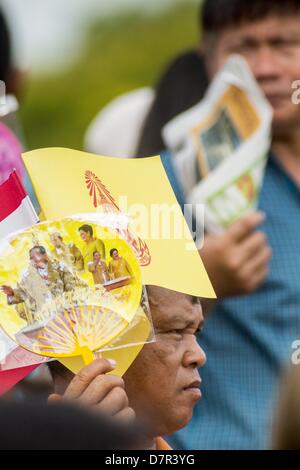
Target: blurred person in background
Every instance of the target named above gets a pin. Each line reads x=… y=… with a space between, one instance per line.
x=286 y=435
x=124 y=115
x=10 y=158
x=8 y=73
x=10 y=148
x=138 y=117
x=11 y=136
x=61 y=426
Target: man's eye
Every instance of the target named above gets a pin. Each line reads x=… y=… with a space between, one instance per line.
x=282 y=43
x=242 y=48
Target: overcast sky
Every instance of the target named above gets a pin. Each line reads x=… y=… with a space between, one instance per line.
x=48 y=31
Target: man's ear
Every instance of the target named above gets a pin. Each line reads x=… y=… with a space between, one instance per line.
x=153 y=302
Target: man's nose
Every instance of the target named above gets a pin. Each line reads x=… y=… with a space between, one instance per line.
x=194 y=355
x=265 y=65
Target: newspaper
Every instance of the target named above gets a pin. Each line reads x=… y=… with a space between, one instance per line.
x=220 y=146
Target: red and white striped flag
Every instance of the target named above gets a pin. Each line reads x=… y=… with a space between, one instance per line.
x=16 y=213
x=16 y=209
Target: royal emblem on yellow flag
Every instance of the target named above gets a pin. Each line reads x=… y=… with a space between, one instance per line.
x=102 y=199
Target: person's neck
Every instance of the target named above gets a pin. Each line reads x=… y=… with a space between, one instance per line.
x=148 y=434
x=287 y=151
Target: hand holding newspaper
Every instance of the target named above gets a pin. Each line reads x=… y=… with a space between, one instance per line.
x=225 y=139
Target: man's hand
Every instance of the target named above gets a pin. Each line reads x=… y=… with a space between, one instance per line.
x=7 y=290
x=92 y=387
x=237 y=261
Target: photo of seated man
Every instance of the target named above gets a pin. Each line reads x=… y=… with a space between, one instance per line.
x=68 y=253
x=42 y=281
x=91 y=245
x=99 y=269
x=118 y=266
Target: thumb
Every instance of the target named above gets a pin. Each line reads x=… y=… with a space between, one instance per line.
x=54 y=398
x=245 y=225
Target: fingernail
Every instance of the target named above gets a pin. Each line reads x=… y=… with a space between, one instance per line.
x=112 y=362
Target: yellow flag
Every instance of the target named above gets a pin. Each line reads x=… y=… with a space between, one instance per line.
x=69 y=182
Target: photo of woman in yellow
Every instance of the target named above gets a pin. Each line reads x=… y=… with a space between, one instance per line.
x=91 y=244
x=118 y=266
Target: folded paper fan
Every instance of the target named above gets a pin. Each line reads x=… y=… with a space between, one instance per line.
x=78 y=330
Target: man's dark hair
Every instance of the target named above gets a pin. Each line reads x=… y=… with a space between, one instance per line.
x=112 y=250
x=5 y=48
x=38 y=248
x=87 y=229
x=218 y=15
x=181 y=86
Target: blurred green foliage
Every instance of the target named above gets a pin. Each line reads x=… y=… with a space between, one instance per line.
x=122 y=53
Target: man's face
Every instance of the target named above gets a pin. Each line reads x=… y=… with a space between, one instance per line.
x=115 y=254
x=38 y=260
x=272 y=49
x=163 y=382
